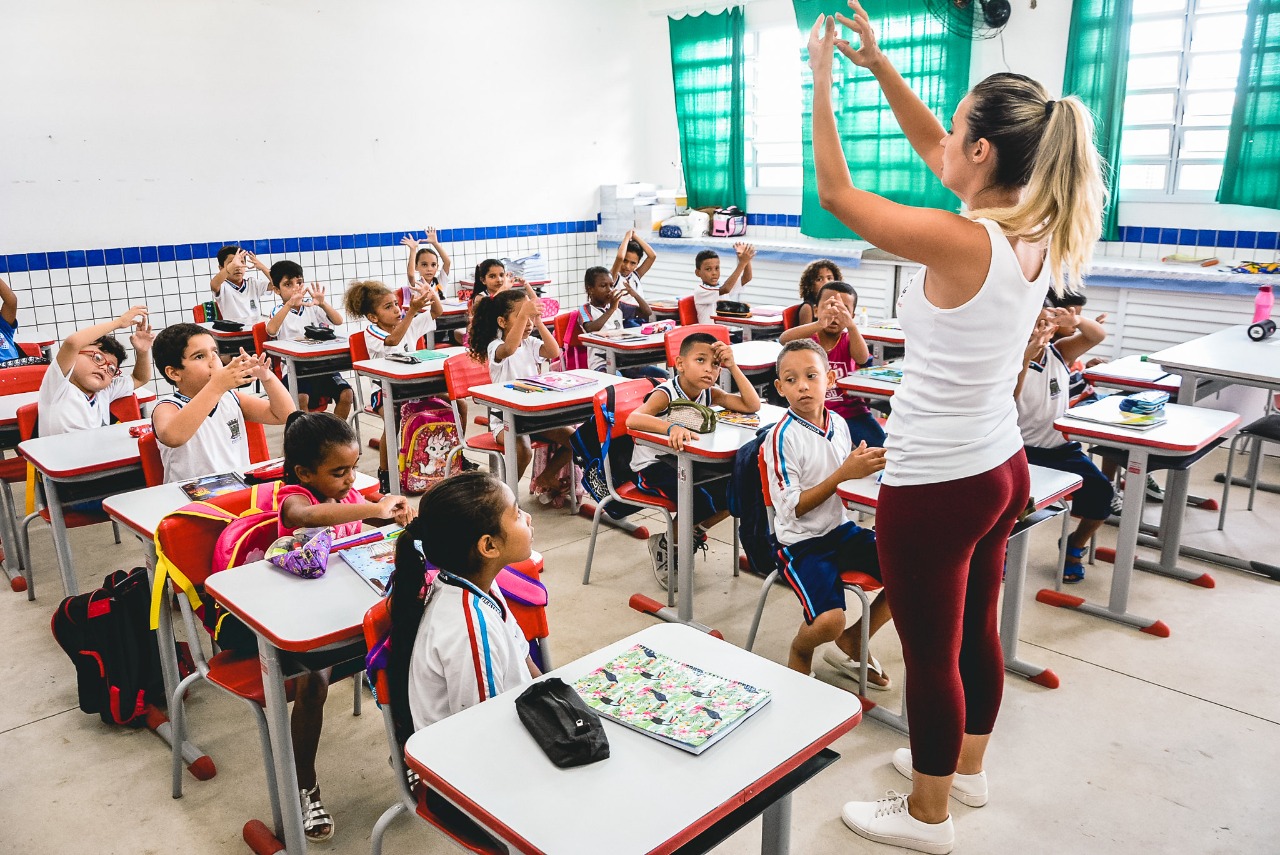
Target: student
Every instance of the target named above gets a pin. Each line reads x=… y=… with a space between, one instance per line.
x=605 y=310
x=237 y=291
x=85 y=377
x=320 y=456
x=697 y=370
x=502 y=332
x=208 y=437
x=8 y=323
x=428 y=265
x=633 y=261
x=709 y=290
x=302 y=306
x=456 y=643
x=390 y=331
x=1060 y=338
x=816 y=275
x=846 y=350
x=808 y=453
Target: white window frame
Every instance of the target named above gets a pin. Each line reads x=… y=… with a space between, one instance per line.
x=751 y=52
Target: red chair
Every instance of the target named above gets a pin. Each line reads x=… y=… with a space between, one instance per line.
x=126 y=409
x=461 y=373
x=572 y=354
x=791 y=316
x=673 y=339
x=13 y=470
x=29 y=348
x=687 y=311
x=153 y=466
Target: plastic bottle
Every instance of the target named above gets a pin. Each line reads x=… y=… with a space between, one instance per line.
x=1262 y=303
x=862 y=321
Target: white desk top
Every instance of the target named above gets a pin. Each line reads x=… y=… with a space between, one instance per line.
x=646 y=793
x=756 y=355
x=34 y=338
x=1047 y=486
x=307 y=349
x=389 y=369
x=723 y=442
x=499 y=396
x=246 y=333
x=1227 y=353
x=635 y=341
x=870 y=387
x=887 y=332
x=86 y=452
x=752 y=320
x=10 y=404
x=1134 y=372
x=1187 y=429
x=453 y=307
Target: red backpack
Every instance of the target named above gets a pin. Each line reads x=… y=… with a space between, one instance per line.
x=428 y=438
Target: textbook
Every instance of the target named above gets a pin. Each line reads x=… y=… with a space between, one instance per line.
x=212 y=485
x=558 y=381
x=883 y=373
x=373 y=561
x=429 y=354
x=671 y=701
x=1108 y=412
x=747 y=420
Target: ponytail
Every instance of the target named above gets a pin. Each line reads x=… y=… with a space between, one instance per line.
x=484 y=320
x=1046 y=148
x=407 y=604
x=362 y=297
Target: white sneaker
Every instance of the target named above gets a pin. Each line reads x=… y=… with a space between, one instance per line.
x=969 y=790
x=887 y=821
x=661 y=556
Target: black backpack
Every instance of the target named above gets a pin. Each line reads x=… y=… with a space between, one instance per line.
x=106 y=633
x=590 y=455
x=746 y=503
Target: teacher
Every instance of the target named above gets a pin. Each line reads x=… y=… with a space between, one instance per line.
x=956 y=477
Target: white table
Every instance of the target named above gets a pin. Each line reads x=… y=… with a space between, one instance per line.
x=882 y=335
x=230 y=342
x=754 y=326
x=1188 y=430
x=401 y=382
x=627 y=347
x=872 y=388
x=530 y=412
x=647 y=796
x=1133 y=374
x=1048 y=487
x=713 y=451
x=307 y=358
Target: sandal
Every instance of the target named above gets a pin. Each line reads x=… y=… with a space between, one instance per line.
x=316 y=821
x=852 y=668
x=1073 y=567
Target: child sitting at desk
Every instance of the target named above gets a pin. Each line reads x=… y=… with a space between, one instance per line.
x=812 y=278
x=846 y=350
x=604 y=310
x=808 y=454
x=428 y=266
x=320 y=456
x=455 y=643
x=1042 y=396
x=237 y=291
x=8 y=322
x=85 y=377
x=208 y=436
x=628 y=268
x=709 y=291
x=697 y=370
x=303 y=306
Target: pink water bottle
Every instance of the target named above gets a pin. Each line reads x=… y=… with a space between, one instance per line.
x=1262 y=303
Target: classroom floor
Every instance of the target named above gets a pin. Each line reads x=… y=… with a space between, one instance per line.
x=1160 y=745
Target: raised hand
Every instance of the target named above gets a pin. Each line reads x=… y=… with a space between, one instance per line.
x=430 y=232
x=236 y=373
x=411 y=242
x=132 y=316
x=259 y=366
x=317 y=293
x=822 y=40
x=867 y=54
x=723 y=354
x=745 y=251
x=421 y=297
x=143 y=336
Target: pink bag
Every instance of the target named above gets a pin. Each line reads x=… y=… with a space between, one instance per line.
x=428 y=437
x=571 y=474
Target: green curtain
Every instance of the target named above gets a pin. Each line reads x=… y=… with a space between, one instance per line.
x=706 y=65
x=1251 y=172
x=936 y=66
x=1097 y=71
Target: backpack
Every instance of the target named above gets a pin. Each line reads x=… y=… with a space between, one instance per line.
x=746 y=503
x=729 y=222
x=589 y=454
x=428 y=436
x=117 y=663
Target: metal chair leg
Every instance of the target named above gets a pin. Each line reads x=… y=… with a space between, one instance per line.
x=1226 y=481
x=755 y=621
x=591 y=547
x=1256 y=451
x=358 y=681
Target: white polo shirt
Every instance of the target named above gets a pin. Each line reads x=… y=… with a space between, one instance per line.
x=705 y=298
x=1044 y=397
x=468 y=649
x=295 y=322
x=525 y=362
x=375 y=338
x=630 y=279
x=243 y=302
x=64 y=407
x=220 y=445
x=801 y=455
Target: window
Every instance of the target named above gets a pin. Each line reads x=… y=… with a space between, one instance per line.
x=1184 y=56
x=772 y=66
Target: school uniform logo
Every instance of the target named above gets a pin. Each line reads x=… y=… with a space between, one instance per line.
x=234 y=427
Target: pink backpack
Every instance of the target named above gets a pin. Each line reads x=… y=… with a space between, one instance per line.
x=428 y=438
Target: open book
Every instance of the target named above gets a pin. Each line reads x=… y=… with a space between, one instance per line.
x=212 y=485
x=372 y=561
x=558 y=381
x=669 y=700
x=1108 y=412
x=883 y=373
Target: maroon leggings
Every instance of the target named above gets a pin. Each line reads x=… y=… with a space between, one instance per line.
x=942 y=549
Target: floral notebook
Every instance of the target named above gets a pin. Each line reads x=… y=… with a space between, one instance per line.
x=673 y=702
x=883 y=373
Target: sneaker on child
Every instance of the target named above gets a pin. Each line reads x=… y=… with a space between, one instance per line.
x=661 y=556
x=888 y=821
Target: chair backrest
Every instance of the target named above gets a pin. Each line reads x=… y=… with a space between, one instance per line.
x=377 y=626
x=29 y=348
x=461 y=373
x=28 y=418
x=188 y=541
x=26 y=378
x=626 y=398
x=673 y=339
x=687 y=311
x=257 y=436
x=260 y=339
x=197 y=312
x=152 y=465
x=126 y=409
x=359 y=347
x=568 y=328
x=791 y=316
x=764 y=482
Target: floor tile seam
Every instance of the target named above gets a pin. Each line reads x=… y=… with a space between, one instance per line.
x=37 y=720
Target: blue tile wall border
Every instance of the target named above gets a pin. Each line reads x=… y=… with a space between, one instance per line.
x=61 y=259
x=1202 y=238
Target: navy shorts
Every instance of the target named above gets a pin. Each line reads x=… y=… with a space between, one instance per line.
x=659 y=479
x=1093 y=500
x=812 y=567
x=323 y=386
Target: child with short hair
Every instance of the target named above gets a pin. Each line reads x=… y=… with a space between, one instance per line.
x=808 y=453
x=456 y=643
x=605 y=310
x=507 y=331
x=320 y=457
x=846 y=350
x=698 y=366
x=1060 y=337
x=812 y=278
x=237 y=290
x=302 y=306
x=428 y=266
x=709 y=291
x=85 y=376
x=200 y=427
x=8 y=322
x=633 y=261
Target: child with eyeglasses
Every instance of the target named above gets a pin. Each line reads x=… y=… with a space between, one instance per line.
x=85 y=376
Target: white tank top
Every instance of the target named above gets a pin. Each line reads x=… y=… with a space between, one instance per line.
x=954 y=415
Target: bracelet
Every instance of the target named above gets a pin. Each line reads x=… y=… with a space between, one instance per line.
x=671 y=427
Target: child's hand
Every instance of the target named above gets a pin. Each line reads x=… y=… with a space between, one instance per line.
x=259 y=365
x=411 y=242
x=861 y=462
x=421 y=297
x=615 y=297
x=745 y=251
x=1101 y=319
x=391 y=506
x=678 y=435
x=722 y=354
x=1041 y=336
x=317 y=293
x=296 y=300
x=234 y=374
x=842 y=314
x=406 y=515
x=132 y=316
x=250 y=259
x=1065 y=320
x=142 y=337
x=430 y=232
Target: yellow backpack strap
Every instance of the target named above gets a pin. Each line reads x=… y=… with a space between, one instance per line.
x=166 y=569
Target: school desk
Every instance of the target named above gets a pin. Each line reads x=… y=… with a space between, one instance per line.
x=1048 y=488
x=530 y=412
x=882 y=335
x=79 y=467
x=1133 y=374
x=755 y=326
x=626 y=348
x=1187 y=431
x=871 y=388
x=402 y=382
x=711 y=454
x=664 y=309
x=230 y=342
x=308 y=358
x=647 y=797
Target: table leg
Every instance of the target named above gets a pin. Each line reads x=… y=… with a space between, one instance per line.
x=61 y=546
x=10 y=535
x=509 y=453
x=775 y=830
x=389 y=439
x=1172 y=514
x=1011 y=614
x=611 y=360
x=877 y=351
x=686 y=550
x=277 y=712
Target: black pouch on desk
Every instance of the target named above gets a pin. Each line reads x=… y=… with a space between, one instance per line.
x=732 y=308
x=566 y=730
x=228 y=326
x=318 y=333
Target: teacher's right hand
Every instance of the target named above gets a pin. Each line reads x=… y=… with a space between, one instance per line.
x=867 y=54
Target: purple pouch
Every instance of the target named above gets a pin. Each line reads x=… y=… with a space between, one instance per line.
x=308 y=560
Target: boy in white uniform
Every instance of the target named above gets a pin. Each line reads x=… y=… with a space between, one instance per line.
x=303 y=306
x=628 y=267
x=709 y=290
x=605 y=311
x=808 y=453
x=85 y=377
x=237 y=290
